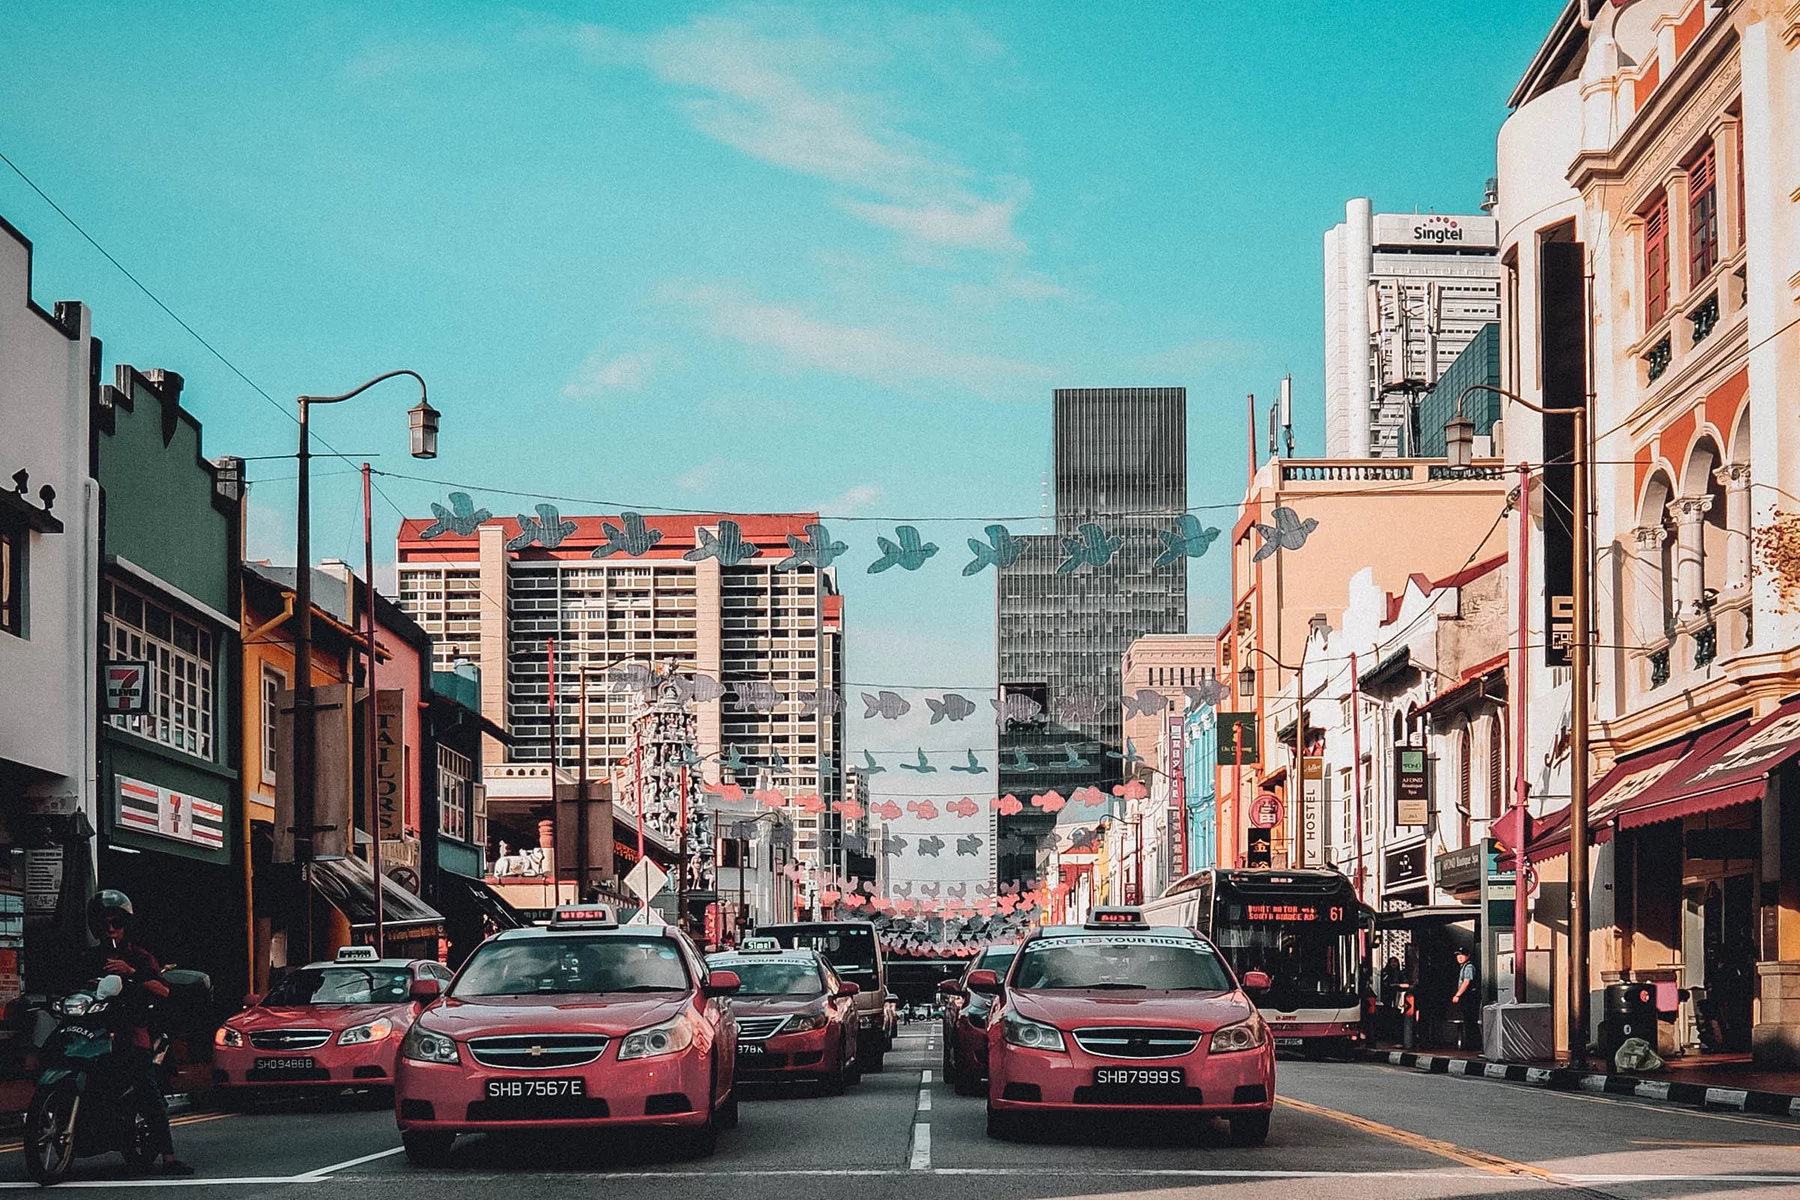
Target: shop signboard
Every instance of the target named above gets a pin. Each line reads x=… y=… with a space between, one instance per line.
x=127 y=688
x=1312 y=811
x=390 y=762
x=1412 y=786
x=1237 y=739
x=1403 y=867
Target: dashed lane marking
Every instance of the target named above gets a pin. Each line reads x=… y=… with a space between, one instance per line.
x=924 y=1100
x=925 y=1075
x=921 y=1147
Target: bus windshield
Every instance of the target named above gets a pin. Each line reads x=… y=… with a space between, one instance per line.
x=1308 y=949
x=849 y=947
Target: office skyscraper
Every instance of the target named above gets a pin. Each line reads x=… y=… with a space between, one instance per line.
x=1120 y=467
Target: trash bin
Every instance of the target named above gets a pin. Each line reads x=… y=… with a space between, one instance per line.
x=1629 y=1011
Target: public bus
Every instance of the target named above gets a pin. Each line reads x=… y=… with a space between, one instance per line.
x=1305 y=929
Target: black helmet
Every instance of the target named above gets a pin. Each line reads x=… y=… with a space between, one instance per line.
x=109 y=902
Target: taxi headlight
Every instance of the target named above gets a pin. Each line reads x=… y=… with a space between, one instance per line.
x=807 y=1023
x=228 y=1037
x=671 y=1037
x=1033 y=1035
x=1245 y=1035
x=374 y=1031
x=422 y=1045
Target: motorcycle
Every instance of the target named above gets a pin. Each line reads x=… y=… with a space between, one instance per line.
x=87 y=1100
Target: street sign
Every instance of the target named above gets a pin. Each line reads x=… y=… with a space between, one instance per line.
x=1231 y=727
x=1259 y=851
x=127 y=687
x=646 y=879
x=1265 y=811
x=1312 y=811
x=1412 y=786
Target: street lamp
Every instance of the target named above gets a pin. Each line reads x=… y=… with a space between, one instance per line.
x=1459 y=442
x=423 y=420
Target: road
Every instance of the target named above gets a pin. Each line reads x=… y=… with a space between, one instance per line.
x=1342 y=1130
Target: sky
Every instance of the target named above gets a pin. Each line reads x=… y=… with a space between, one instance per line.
x=759 y=257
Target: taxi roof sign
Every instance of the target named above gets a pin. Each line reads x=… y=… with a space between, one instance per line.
x=584 y=916
x=357 y=954
x=760 y=945
x=1116 y=917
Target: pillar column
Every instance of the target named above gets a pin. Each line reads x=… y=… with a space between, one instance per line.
x=1690 y=517
x=1725 y=162
x=1652 y=603
x=1735 y=479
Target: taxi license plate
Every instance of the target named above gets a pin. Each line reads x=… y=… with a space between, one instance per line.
x=287 y=1062
x=1289 y=1043
x=750 y=1050
x=1140 y=1077
x=536 y=1089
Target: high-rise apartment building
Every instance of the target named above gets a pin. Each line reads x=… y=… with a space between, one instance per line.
x=1404 y=294
x=590 y=609
x=1064 y=621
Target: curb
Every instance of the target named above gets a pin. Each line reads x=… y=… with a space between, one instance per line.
x=1567 y=1079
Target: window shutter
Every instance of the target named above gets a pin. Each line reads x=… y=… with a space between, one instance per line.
x=1656 y=263
x=1496 y=753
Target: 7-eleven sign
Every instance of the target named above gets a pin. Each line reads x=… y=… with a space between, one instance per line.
x=127 y=687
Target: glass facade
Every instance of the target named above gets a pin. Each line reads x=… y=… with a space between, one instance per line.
x=1121 y=465
x=1478 y=363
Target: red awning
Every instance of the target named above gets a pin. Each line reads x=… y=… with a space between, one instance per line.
x=1716 y=768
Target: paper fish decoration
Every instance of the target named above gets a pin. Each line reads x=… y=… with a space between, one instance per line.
x=1021 y=762
x=728 y=545
x=816 y=549
x=633 y=677
x=853 y=900
x=1288 y=533
x=1128 y=756
x=770 y=798
x=1009 y=805
x=929 y=847
x=1001 y=549
x=461 y=518
x=690 y=689
x=633 y=541
x=819 y=700
x=1091 y=547
x=809 y=802
x=950 y=707
x=1051 y=801
x=870 y=766
x=730 y=793
x=1187 y=540
x=887 y=810
x=1071 y=760
x=1079 y=707
x=1208 y=692
x=1090 y=797
x=547 y=529
x=922 y=766
x=756 y=695
x=1148 y=702
x=963 y=808
x=974 y=767
x=890 y=706
x=925 y=810
x=910 y=554
x=1016 y=706
x=850 y=809
x=1131 y=790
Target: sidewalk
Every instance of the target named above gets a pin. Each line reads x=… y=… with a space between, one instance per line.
x=1715 y=1081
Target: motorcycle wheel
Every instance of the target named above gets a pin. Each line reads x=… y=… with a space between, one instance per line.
x=50 y=1133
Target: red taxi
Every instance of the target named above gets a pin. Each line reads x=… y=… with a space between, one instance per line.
x=795 y=1017
x=965 y=1021
x=1121 y=1016
x=328 y=1024
x=581 y=1025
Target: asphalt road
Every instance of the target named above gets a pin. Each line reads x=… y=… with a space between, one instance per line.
x=1342 y=1130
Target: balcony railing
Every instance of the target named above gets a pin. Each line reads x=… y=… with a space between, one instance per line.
x=1705 y=317
x=1657 y=361
x=1706 y=645
x=1659 y=668
x=1346 y=472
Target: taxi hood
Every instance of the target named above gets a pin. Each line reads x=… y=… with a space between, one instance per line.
x=1074 y=1009
x=615 y=1016
x=741 y=1003
x=335 y=1017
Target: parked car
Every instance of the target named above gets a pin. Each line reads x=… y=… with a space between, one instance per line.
x=795 y=1017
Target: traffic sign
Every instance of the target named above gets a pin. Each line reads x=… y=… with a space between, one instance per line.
x=646 y=879
x=1265 y=811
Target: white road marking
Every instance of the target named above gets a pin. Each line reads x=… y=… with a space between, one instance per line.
x=921 y=1147
x=924 y=1100
x=317 y=1175
x=1061 y=1171
x=925 y=1075
x=321 y=1172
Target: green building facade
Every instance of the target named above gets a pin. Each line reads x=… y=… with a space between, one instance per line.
x=1478 y=363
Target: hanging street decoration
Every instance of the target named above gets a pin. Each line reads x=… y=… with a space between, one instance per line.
x=1016 y=706
x=697 y=688
x=1009 y=805
x=634 y=541
x=462 y=518
x=895 y=844
x=929 y=847
x=1071 y=761
x=889 y=706
x=727 y=545
x=974 y=767
x=633 y=677
x=909 y=555
x=923 y=767
x=925 y=810
x=968 y=846
x=1088 y=797
x=951 y=707
x=1051 y=801
x=1288 y=533
x=1209 y=693
x=816 y=549
x=1079 y=708
x=1090 y=547
x=1129 y=756
x=887 y=810
x=849 y=809
x=1148 y=702
x=756 y=695
x=1001 y=549
x=870 y=766
x=820 y=700
x=1187 y=540
x=1131 y=789
x=547 y=529
x=963 y=808
x=1021 y=762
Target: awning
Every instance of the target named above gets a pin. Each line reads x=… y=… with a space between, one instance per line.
x=1716 y=768
x=1427 y=914
x=349 y=885
x=1388 y=668
x=475 y=897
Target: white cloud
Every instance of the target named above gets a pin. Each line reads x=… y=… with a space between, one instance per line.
x=861 y=352
x=984 y=226
x=600 y=374
x=703 y=475
x=853 y=500
x=1030 y=286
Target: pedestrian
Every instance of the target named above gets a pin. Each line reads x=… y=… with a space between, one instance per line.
x=1463 y=1000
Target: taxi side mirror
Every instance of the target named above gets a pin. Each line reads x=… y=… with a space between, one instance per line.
x=950 y=988
x=251 y=999
x=1255 y=982
x=722 y=983
x=848 y=989
x=424 y=991
x=985 y=982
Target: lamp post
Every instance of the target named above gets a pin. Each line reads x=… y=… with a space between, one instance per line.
x=1459 y=443
x=423 y=424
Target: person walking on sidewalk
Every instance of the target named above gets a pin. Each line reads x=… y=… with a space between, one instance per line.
x=1463 y=1001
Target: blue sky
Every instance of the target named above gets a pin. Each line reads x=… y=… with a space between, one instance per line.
x=750 y=257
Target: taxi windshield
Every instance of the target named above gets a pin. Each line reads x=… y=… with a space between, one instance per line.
x=1121 y=963
x=340 y=985
x=776 y=978
x=551 y=966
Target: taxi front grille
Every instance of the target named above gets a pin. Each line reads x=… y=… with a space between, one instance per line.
x=755 y=1029
x=1130 y=1042
x=289 y=1039
x=537 y=1052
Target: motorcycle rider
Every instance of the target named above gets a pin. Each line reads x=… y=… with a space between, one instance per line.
x=109 y=919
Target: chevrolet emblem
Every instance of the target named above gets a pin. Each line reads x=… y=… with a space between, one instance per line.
x=536 y=1052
